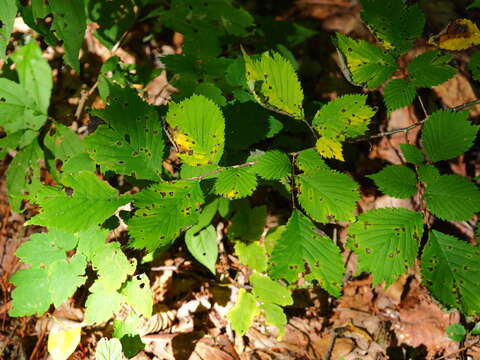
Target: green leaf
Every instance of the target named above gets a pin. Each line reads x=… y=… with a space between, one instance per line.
x=396 y=25
x=399 y=93
x=275 y=316
x=327 y=195
x=198 y=130
x=70 y=24
x=345 y=117
x=101 y=304
x=412 y=154
x=396 y=180
x=273 y=165
x=267 y=290
x=18 y=110
x=447 y=134
x=276 y=81
x=8 y=13
x=476 y=329
x=236 y=183
x=203 y=247
x=456 y=332
x=128 y=333
x=163 y=210
x=252 y=255
x=108 y=349
x=91 y=203
x=474 y=4
x=451 y=269
x=428 y=174
x=138 y=295
x=132 y=140
x=34 y=74
x=366 y=64
x=248 y=224
x=452 y=197
x=431 y=69
x=474 y=65
x=242 y=314
x=386 y=242
x=113 y=17
x=310 y=160
x=91 y=242
x=23 y=175
x=301 y=244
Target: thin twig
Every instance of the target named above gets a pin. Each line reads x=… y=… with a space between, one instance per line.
x=390 y=132
x=466 y=347
x=424 y=109
x=466 y=105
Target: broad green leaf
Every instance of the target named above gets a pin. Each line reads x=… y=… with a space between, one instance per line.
x=345 y=117
x=109 y=349
x=452 y=197
x=474 y=4
x=8 y=14
x=252 y=255
x=399 y=93
x=301 y=244
x=236 y=183
x=272 y=238
x=431 y=68
x=366 y=64
x=275 y=316
x=474 y=65
x=456 y=332
x=206 y=216
x=42 y=249
x=131 y=142
x=91 y=203
x=396 y=180
x=267 y=290
x=127 y=331
x=396 y=25
x=248 y=223
x=101 y=303
x=447 y=134
x=18 y=110
x=386 y=242
x=276 y=81
x=428 y=174
x=198 y=129
x=138 y=295
x=34 y=74
x=451 y=269
x=91 y=242
x=412 y=154
x=203 y=246
x=16 y=140
x=70 y=24
x=242 y=314
x=113 y=17
x=23 y=175
x=310 y=160
x=163 y=210
x=327 y=195
x=273 y=165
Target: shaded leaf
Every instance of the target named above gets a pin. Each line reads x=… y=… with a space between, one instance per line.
x=203 y=247
x=431 y=69
x=399 y=93
x=412 y=154
x=273 y=165
x=396 y=180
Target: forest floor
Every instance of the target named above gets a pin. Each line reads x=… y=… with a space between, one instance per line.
x=401 y=322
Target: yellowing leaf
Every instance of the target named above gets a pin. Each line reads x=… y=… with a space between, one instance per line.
x=63 y=339
x=329 y=148
x=459 y=34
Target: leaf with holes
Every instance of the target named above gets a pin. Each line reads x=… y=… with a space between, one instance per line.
x=203 y=246
x=163 y=210
x=242 y=314
x=198 y=129
x=396 y=180
x=70 y=24
x=452 y=197
x=396 y=25
x=366 y=64
x=138 y=294
x=386 y=242
x=431 y=69
x=274 y=82
x=236 y=183
x=412 y=154
x=474 y=65
x=447 y=134
x=273 y=165
x=327 y=195
x=131 y=142
x=399 y=93
x=91 y=203
x=299 y=244
x=450 y=270
x=8 y=14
